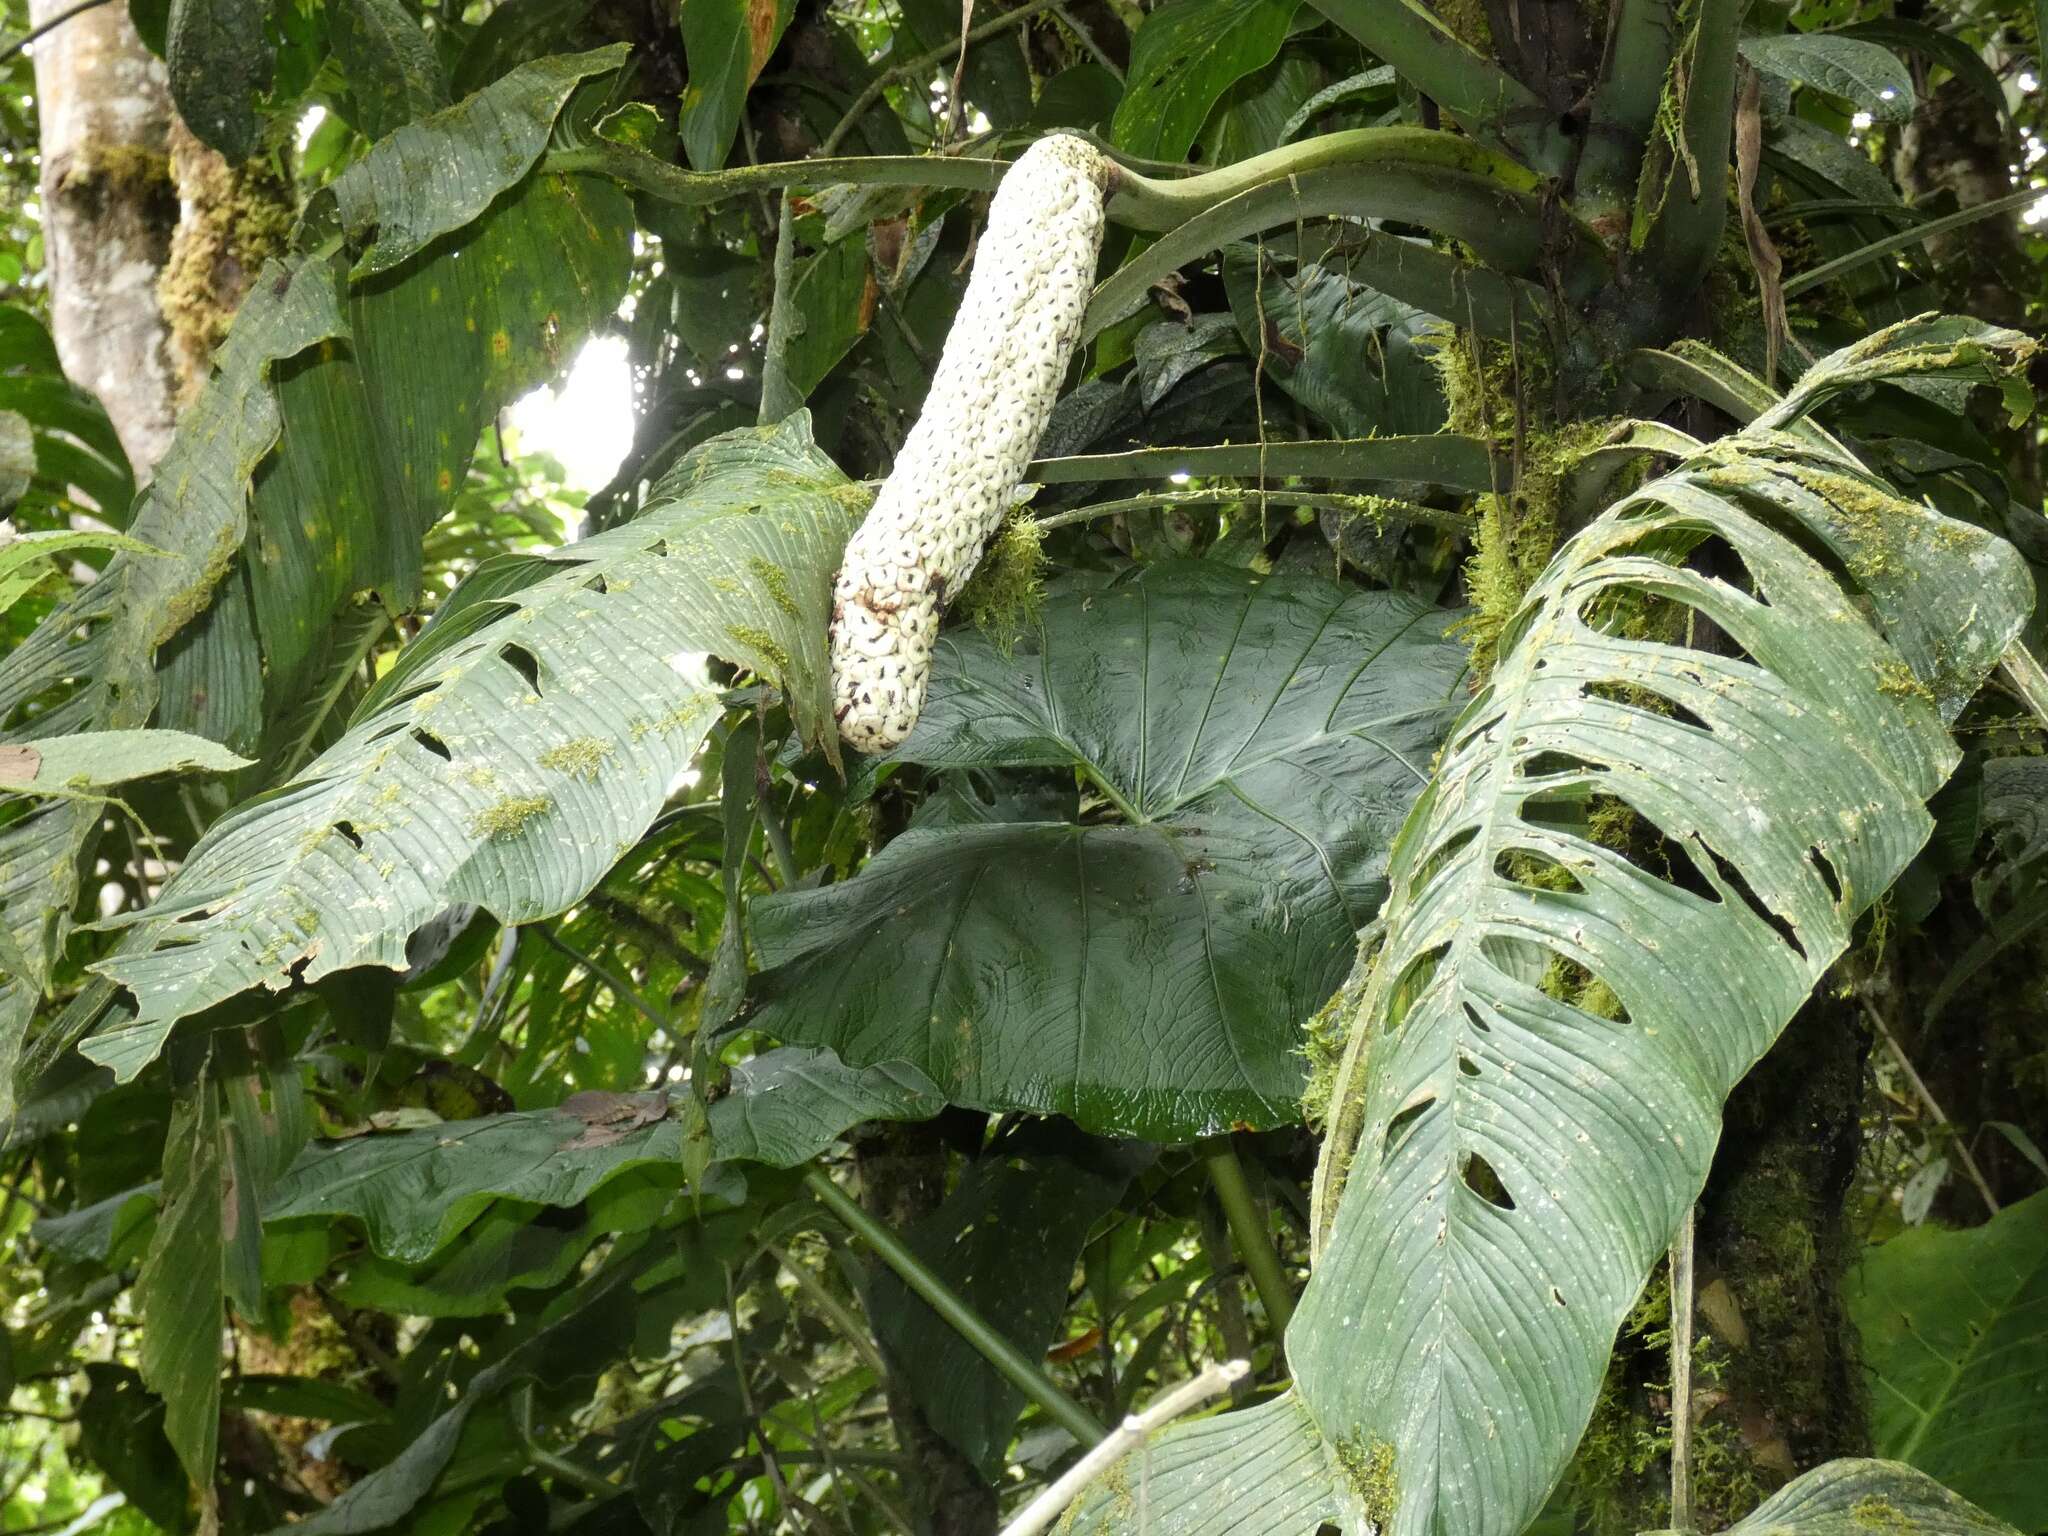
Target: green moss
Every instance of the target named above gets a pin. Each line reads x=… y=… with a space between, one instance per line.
x=124 y=168
x=1368 y=1467
x=775 y=582
x=1876 y=1514
x=582 y=758
x=509 y=816
x=1326 y=1035
x=238 y=217
x=762 y=644
x=1005 y=594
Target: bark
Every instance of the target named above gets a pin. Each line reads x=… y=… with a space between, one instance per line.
x=108 y=213
x=903 y=1177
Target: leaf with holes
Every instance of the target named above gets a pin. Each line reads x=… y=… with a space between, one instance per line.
x=1259 y=739
x=531 y=746
x=1533 y=1090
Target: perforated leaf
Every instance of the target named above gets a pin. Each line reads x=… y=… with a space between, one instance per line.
x=523 y=747
x=1515 y=1143
x=1854 y=1497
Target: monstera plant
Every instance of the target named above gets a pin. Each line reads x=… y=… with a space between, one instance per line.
x=1347 y=729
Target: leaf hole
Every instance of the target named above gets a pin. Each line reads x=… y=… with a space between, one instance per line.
x=1467 y=1064
x=433 y=744
x=522 y=661
x=1399 y=1127
x=1477 y=1175
x=1535 y=872
x=659 y=549
x=347 y=830
x=1473 y=1018
x=1413 y=982
x=1826 y=869
x=1735 y=880
x=1645 y=700
x=1440 y=856
x=1557 y=1296
x=596 y=584
x=1545 y=765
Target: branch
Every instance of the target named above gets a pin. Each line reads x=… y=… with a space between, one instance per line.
x=1120 y=1442
x=1009 y=1362
x=1927 y=1099
x=1474 y=92
x=1377 y=507
x=1681 y=1374
x=1440 y=458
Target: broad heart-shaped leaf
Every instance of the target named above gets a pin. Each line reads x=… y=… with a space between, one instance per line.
x=1955 y=1337
x=1858 y=1496
x=1262 y=738
x=526 y=753
x=1506 y=1163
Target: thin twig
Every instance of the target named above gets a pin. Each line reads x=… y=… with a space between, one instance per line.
x=1927 y=1100
x=956 y=116
x=1681 y=1375
x=2028 y=680
x=834 y=1309
x=30 y=36
x=769 y=1463
x=619 y=986
x=912 y=68
x=1121 y=1441
x=1319 y=501
x=1088 y=42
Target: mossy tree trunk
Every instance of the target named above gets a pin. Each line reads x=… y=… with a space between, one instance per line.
x=108 y=213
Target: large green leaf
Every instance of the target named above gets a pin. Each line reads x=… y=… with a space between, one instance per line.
x=523 y=748
x=725 y=43
x=1260 y=738
x=437 y=174
x=389 y=63
x=1855 y=1497
x=1185 y=56
x=1955 y=1337
x=1861 y=72
x=219 y=55
x=89 y=666
x=1264 y=1470
x=1514 y=1145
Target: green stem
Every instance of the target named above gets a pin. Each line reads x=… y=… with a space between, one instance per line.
x=1681 y=242
x=1008 y=1360
x=834 y=1309
x=1458 y=463
x=1248 y=1230
x=1474 y=92
x=1316 y=501
x=1437 y=180
x=1624 y=111
x=1828 y=271
x=619 y=985
x=777 y=836
x=780 y=397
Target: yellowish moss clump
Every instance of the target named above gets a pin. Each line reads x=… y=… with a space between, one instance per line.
x=1368 y=1466
x=582 y=758
x=1005 y=594
x=763 y=644
x=236 y=219
x=509 y=817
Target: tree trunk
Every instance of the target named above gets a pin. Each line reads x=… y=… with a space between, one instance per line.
x=903 y=1177
x=108 y=213
x=231 y=219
